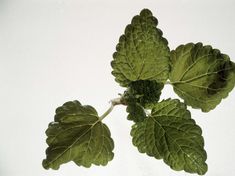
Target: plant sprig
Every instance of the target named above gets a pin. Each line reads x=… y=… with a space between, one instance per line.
x=143 y=63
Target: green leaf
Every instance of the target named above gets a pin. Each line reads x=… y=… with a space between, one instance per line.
x=142 y=53
x=146 y=92
x=77 y=135
x=140 y=95
x=201 y=75
x=170 y=133
x=136 y=110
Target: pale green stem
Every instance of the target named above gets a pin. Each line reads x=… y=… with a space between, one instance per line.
x=114 y=102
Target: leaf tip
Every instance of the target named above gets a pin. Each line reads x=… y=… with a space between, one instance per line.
x=45 y=164
x=146 y=12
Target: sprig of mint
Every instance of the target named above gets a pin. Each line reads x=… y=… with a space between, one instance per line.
x=143 y=63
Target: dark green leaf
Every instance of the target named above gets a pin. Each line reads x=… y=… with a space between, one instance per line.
x=146 y=92
x=142 y=53
x=171 y=134
x=135 y=110
x=140 y=95
x=77 y=135
x=202 y=76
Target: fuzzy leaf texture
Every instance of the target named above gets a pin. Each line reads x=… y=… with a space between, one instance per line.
x=77 y=135
x=135 y=110
x=140 y=95
x=170 y=134
x=142 y=53
x=201 y=75
x=146 y=92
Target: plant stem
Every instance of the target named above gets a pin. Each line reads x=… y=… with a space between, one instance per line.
x=114 y=102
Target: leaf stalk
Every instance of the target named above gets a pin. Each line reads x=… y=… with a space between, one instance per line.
x=114 y=102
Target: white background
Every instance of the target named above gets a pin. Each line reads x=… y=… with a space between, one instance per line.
x=53 y=51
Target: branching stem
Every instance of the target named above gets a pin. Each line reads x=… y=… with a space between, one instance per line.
x=114 y=102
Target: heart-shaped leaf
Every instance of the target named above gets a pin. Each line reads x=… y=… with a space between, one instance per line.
x=202 y=76
x=77 y=135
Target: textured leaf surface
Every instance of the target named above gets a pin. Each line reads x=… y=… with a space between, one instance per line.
x=135 y=109
x=140 y=95
x=170 y=133
x=142 y=53
x=146 y=92
x=77 y=135
x=202 y=76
